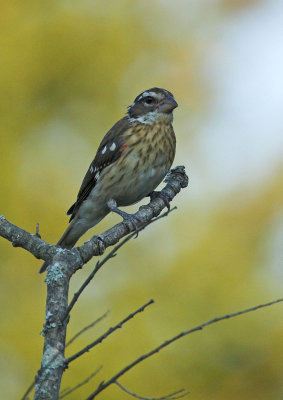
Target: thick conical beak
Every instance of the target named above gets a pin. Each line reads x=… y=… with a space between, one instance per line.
x=167 y=105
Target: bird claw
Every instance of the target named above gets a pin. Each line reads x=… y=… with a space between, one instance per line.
x=133 y=220
x=112 y=205
x=155 y=194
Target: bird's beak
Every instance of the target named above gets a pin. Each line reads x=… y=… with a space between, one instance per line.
x=167 y=105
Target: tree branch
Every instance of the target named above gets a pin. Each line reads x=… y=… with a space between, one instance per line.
x=99 y=264
x=84 y=382
x=27 y=392
x=172 y=396
x=97 y=267
x=87 y=327
x=77 y=257
x=28 y=241
x=106 y=334
x=103 y=385
x=62 y=265
x=109 y=256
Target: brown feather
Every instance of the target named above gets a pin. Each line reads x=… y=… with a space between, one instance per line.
x=114 y=135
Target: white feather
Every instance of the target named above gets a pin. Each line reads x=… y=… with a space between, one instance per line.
x=149 y=118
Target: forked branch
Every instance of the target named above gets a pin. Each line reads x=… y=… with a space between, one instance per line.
x=63 y=264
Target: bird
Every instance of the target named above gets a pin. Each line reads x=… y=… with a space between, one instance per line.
x=131 y=161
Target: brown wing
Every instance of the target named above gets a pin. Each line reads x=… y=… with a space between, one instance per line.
x=108 y=152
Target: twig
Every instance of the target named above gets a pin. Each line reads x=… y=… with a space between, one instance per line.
x=68 y=391
x=110 y=255
x=37 y=231
x=27 y=392
x=106 y=334
x=63 y=391
x=87 y=327
x=172 y=396
x=97 y=267
x=103 y=385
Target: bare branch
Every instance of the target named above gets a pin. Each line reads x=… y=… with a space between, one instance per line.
x=67 y=391
x=63 y=264
x=63 y=391
x=87 y=327
x=37 y=231
x=78 y=256
x=172 y=396
x=103 y=385
x=110 y=255
x=28 y=241
x=27 y=392
x=176 y=180
x=99 y=264
x=97 y=267
x=106 y=334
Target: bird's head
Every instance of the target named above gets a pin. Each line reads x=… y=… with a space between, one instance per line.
x=152 y=106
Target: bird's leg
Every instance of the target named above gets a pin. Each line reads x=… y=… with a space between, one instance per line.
x=112 y=205
x=155 y=194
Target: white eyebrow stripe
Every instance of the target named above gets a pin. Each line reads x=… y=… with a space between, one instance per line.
x=144 y=94
x=158 y=96
x=155 y=95
x=152 y=94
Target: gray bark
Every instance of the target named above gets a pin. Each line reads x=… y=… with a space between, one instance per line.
x=63 y=264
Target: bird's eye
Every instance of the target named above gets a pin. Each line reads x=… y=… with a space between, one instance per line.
x=149 y=100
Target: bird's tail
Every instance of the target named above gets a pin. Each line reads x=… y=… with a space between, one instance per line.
x=70 y=237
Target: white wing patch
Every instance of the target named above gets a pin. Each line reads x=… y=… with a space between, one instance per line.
x=112 y=147
x=104 y=150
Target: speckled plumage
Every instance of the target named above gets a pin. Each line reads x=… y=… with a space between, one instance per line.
x=132 y=159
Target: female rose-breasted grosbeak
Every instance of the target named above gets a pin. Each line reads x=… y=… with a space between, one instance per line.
x=132 y=159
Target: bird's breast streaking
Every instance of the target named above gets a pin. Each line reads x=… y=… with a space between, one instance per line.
x=147 y=155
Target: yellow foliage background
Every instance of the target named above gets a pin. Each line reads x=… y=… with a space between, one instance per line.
x=68 y=70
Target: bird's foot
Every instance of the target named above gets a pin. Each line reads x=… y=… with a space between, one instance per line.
x=112 y=205
x=155 y=194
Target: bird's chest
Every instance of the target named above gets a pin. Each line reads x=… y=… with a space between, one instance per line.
x=151 y=145
x=148 y=159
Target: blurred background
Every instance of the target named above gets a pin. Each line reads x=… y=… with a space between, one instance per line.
x=68 y=70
